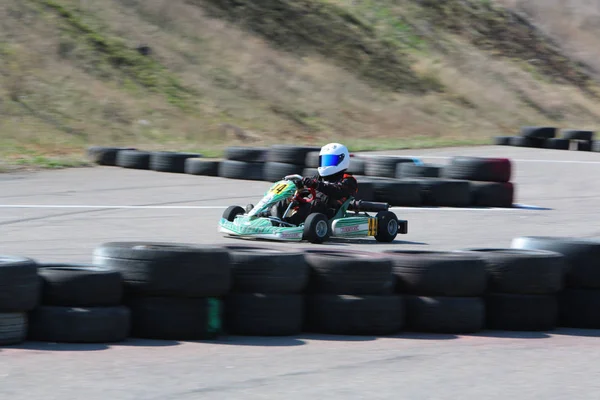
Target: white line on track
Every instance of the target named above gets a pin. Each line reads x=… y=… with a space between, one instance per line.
x=124 y=207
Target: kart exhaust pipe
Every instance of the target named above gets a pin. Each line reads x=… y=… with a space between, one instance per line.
x=368 y=206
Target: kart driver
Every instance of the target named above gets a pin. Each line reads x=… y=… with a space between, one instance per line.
x=332 y=185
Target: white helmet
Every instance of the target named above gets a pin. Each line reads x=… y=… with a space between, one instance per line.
x=333 y=158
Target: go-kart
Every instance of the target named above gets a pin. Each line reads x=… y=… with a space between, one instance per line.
x=347 y=222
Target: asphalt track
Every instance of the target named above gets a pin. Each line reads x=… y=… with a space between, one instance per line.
x=60 y=216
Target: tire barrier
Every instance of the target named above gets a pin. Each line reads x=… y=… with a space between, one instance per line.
x=399 y=181
x=580 y=300
x=267 y=293
x=200 y=166
x=170 y=161
x=134 y=159
x=179 y=291
x=443 y=290
x=546 y=138
x=172 y=289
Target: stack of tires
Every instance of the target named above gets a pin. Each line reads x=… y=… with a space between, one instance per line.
x=523 y=288
x=579 y=302
x=173 y=290
x=79 y=304
x=443 y=290
x=285 y=160
x=103 y=155
x=267 y=292
x=352 y=294
x=170 y=161
x=19 y=294
x=487 y=181
x=546 y=137
x=395 y=192
x=243 y=163
x=133 y=159
x=582 y=140
x=384 y=166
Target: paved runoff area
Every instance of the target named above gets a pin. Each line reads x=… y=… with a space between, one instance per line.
x=61 y=216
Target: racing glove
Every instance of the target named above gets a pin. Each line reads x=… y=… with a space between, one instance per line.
x=310 y=182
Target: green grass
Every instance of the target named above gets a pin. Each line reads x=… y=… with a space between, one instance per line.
x=112 y=54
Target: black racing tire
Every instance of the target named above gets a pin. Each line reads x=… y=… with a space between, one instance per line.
x=583 y=146
x=575 y=134
x=520 y=141
x=449 y=315
x=387 y=226
x=248 y=154
x=259 y=314
x=581 y=256
x=102 y=155
x=520 y=271
x=200 y=166
x=492 y=194
x=13 y=328
x=290 y=154
x=355 y=315
x=170 y=161
x=275 y=171
x=175 y=318
x=578 y=308
x=384 y=166
x=133 y=159
x=333 y=272
x=232 y=169
x=502 y=140
x=312 y=159
x=309 y=172
x=521 y=312
x=440 y=192
x=231 y=212
x=438 y=273
x=79 y=325
x=267 y=271
x=479 y=169
x=397 y=192
x=168 y=269
x=357 y=166
x=73 y=285
x=366 y=190
x=557 y=144
x=538 y=132
x=20 y=285
x=316 y=228
x=407 y=170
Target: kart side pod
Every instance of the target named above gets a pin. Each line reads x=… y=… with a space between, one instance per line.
x=368 y=206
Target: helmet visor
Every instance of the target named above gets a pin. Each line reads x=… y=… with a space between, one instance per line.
x=330 y=160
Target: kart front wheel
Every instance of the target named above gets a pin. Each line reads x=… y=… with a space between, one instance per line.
x=316 y=228
x=232 y=211
x=387 y=226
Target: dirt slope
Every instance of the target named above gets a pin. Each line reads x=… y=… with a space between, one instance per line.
x=372 y=73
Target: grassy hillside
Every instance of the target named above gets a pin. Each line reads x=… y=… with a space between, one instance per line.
x=574 y=25
x=375 y=74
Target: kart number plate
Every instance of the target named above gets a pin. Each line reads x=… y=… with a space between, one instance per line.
x=278 y=188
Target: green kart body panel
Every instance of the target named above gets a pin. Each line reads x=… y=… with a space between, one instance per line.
x=344 y=224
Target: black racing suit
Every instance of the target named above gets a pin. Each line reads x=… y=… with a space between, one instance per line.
x=331 y=192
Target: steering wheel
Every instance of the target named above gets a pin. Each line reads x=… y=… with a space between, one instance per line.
x=300 y=198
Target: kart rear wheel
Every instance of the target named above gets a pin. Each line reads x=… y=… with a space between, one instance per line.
x=232 y=211
x=316 y=228
x=387 y=226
